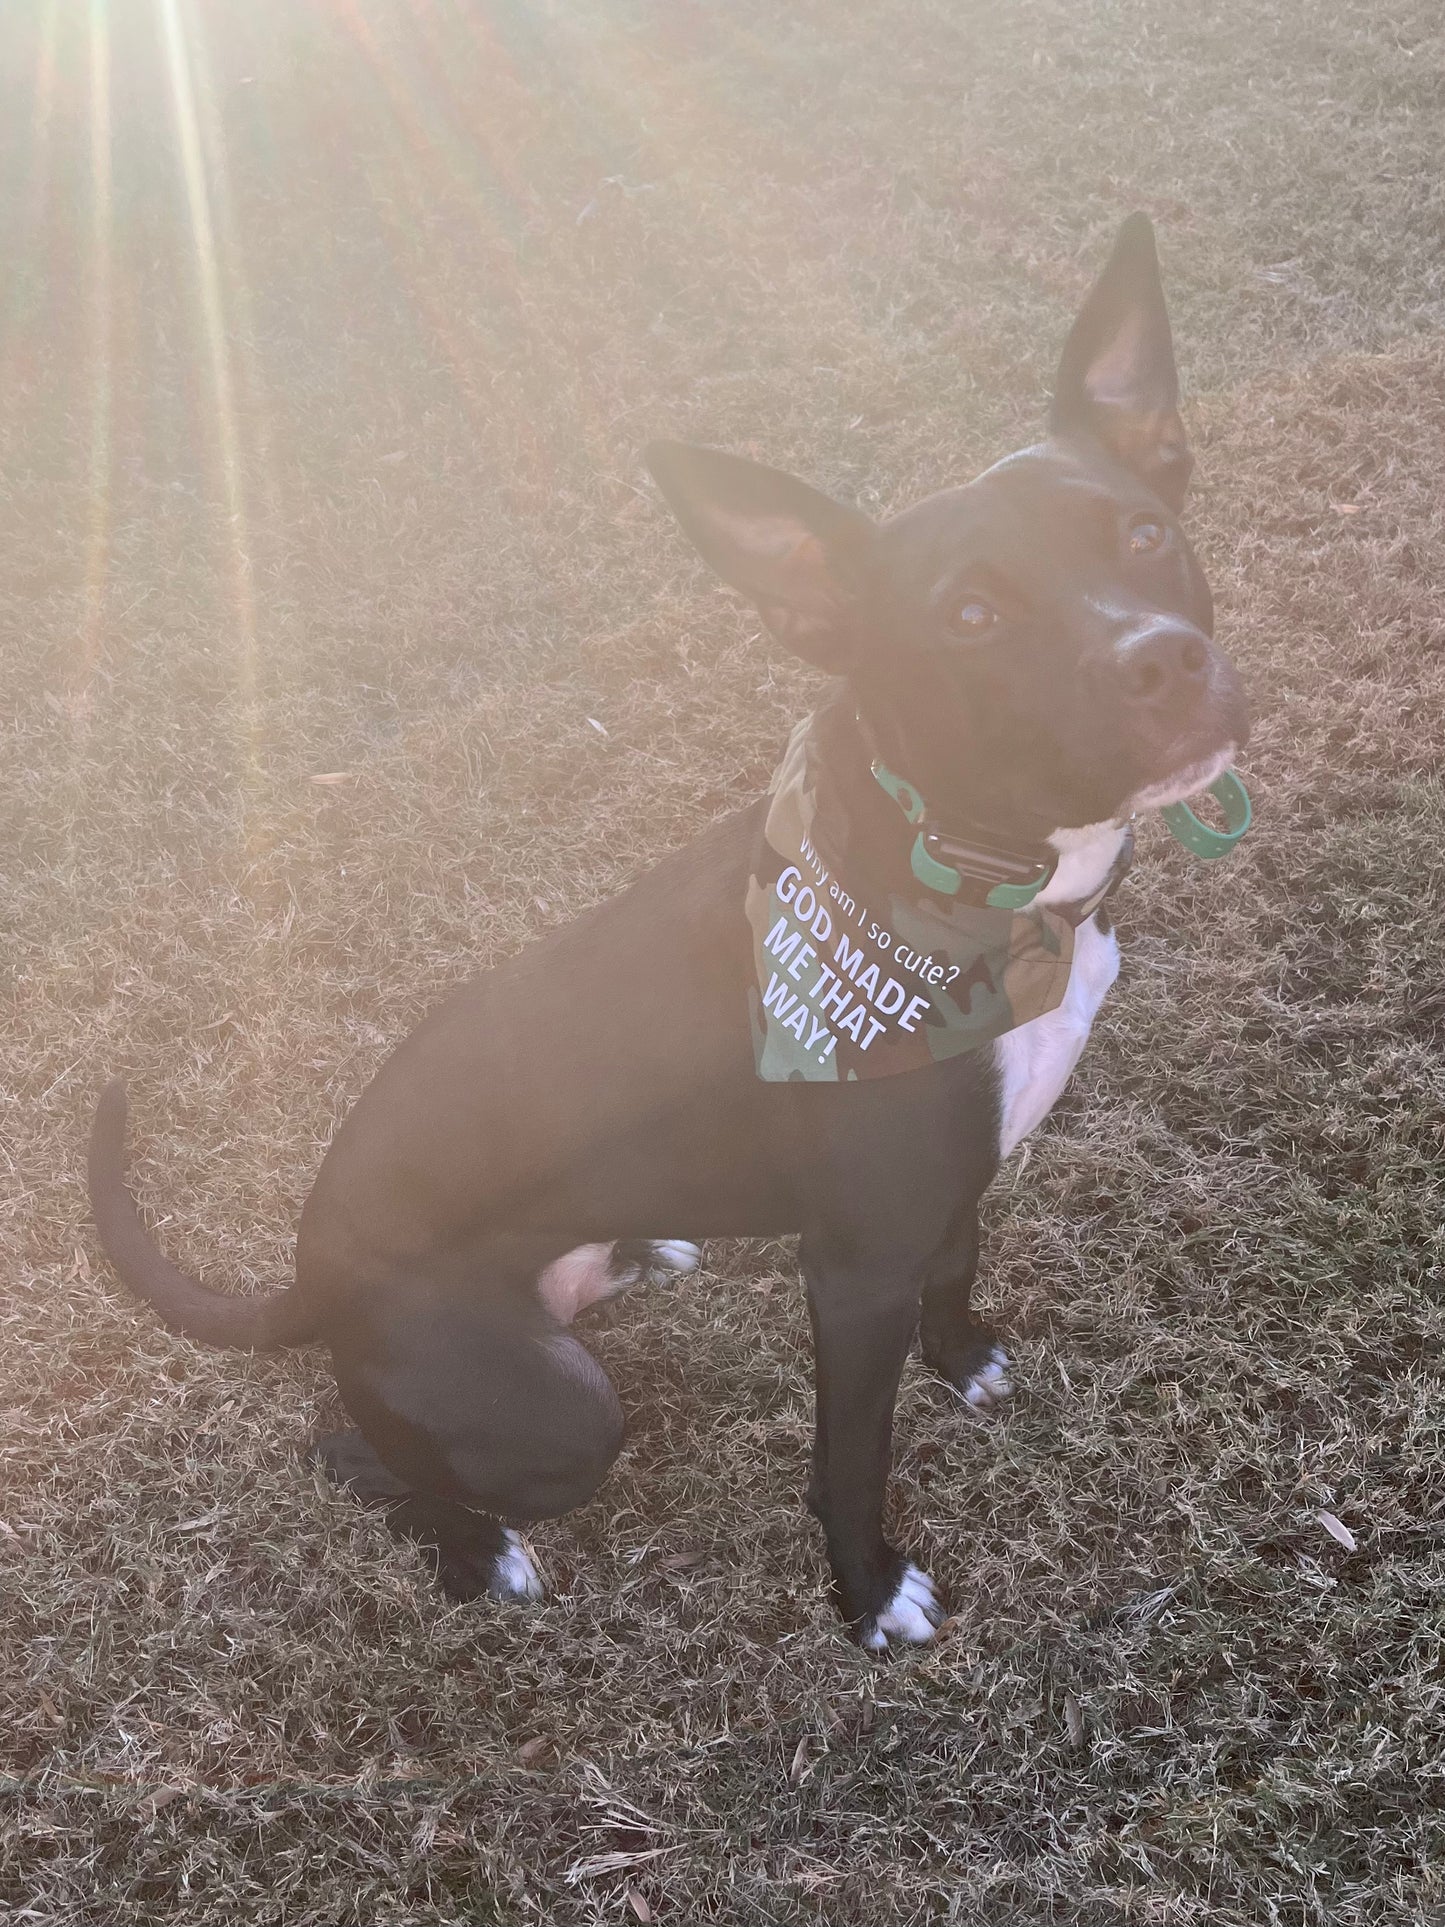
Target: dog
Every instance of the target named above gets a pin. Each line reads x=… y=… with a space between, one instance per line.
x=1017 y=667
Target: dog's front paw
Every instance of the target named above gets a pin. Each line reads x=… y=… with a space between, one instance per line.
x=512 y=1575
x=990 y=1385
x=975 y=1365
x=910 y=1616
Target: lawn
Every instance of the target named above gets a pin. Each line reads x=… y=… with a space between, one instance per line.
x=346 y=650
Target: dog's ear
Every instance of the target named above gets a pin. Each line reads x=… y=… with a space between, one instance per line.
x=796 y=554
x=1117 y=378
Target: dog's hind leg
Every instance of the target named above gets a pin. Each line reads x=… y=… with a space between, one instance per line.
x=469 y=1552
x=476 y=1412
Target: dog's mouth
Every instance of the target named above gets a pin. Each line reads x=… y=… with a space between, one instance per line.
x=1192 y=779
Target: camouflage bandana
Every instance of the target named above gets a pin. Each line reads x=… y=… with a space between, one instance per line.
x=853 y=980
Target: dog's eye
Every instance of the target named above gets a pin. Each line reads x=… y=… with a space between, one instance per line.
x=973 y=616
x=1146 y=537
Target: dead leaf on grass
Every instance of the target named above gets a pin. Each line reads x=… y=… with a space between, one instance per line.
x=1074 y=1719
x=613 y=1862
x=638 y=1905
x=1337 y=1529
x=335 y=776
x=200 y=1521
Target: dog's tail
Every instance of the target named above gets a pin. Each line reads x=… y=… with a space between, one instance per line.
x=213 y=1317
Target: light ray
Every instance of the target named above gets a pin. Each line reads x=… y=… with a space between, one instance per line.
x=447 y=156
x=450 y=72
x=42 y=117
x=237 y=289
x=434 y=152
x=213 y=321
x=97 y=547
x=25 y=277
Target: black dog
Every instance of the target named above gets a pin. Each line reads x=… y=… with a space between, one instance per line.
x=1031 y=654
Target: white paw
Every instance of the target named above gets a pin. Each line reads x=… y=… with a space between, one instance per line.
x=912 y=1615
x=990 y=1384
x=675 y=1254
x=513 y=1574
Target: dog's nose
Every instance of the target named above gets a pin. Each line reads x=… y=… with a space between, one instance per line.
x=1162 y=662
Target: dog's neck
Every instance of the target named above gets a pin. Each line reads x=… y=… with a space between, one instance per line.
x=855 y=814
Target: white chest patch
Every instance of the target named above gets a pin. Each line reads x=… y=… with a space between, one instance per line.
x=1034 y=1062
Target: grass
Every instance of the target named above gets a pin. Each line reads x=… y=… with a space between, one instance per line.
x=385 y=523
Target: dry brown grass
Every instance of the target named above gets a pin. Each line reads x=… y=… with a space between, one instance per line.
x=849 y=240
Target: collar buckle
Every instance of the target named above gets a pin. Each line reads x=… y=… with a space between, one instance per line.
x=978 y=870
x=986 y=872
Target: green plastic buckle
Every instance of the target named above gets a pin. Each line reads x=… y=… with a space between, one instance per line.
x=941 y=876
x=1198 y=838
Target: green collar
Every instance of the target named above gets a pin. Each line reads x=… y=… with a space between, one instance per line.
x=982 y=862
x=1201 y=841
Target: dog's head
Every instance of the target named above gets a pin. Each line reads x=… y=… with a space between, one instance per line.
x=1032 y=651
